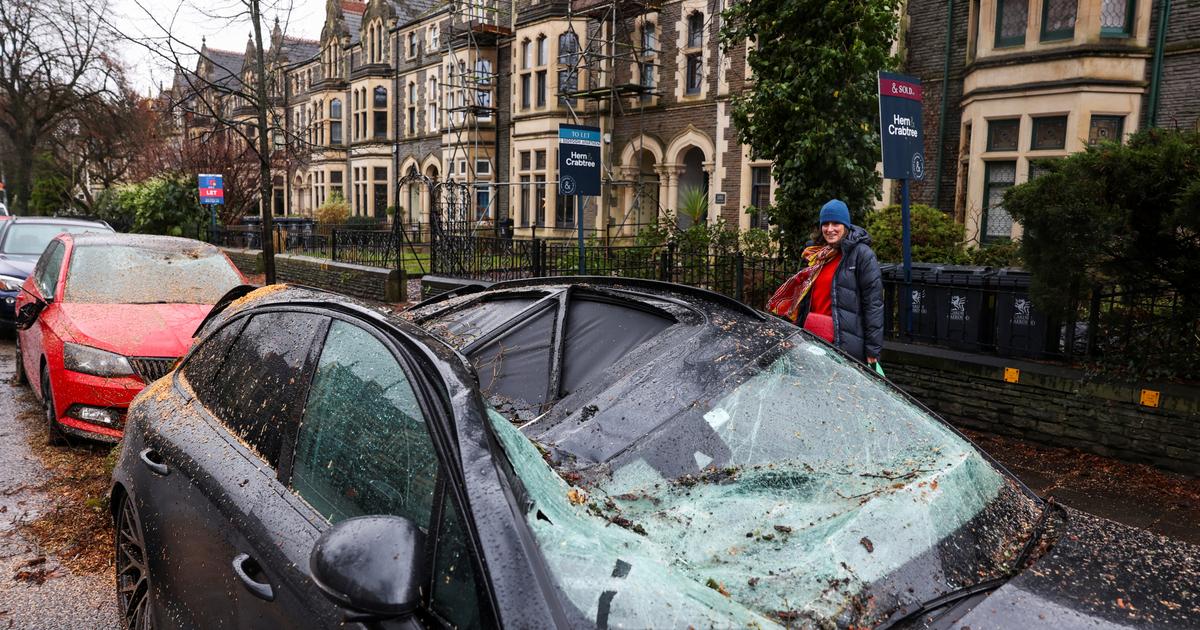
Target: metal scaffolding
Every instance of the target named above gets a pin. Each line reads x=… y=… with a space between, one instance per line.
x=468 y=83
x=611 y=51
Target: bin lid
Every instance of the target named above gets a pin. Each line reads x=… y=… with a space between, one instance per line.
x=1012 y=277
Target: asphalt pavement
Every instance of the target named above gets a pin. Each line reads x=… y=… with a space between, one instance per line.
x=36 y=591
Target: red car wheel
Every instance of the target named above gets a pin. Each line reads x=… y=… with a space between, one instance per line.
x=54 y=432
x=22 y=378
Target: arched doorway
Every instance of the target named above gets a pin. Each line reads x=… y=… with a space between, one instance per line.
x=431 y=173
x=691 y=203
x=645 y=204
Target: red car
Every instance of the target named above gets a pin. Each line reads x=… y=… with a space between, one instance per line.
x=103 y=315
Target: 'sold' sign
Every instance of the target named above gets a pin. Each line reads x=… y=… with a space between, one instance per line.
x=578 y=160
x=900 y=126
x=212 y=188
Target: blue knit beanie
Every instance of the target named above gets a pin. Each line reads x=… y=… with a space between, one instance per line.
x=835 y=210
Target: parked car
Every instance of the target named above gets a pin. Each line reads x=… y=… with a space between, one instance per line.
x=103 y=315
x=593 y=453
x=22 y=241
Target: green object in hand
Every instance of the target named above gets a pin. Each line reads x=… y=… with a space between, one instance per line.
x=879 y=368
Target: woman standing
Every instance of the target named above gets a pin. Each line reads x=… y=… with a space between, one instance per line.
x=839 y=294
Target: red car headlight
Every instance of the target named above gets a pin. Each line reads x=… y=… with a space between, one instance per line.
x=89 y=360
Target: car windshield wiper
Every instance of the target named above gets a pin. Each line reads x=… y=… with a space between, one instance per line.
x=910 y=612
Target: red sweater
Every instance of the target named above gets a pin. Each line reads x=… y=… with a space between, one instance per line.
x=822 y=289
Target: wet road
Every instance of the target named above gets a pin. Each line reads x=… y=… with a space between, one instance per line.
x=65 y=599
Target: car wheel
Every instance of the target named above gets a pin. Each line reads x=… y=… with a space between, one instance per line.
x=133 y=577
x=22 y=379
x=54 y=432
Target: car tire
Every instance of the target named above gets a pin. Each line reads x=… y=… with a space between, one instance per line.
x=54 y=432
x=22 y=378
x=134 y=595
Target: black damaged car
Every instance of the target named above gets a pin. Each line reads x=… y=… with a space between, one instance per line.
x=584 y=453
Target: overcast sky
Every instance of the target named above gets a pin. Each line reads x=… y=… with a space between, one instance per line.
x=224 y=24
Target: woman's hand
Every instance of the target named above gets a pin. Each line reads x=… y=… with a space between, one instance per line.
x=872 y=360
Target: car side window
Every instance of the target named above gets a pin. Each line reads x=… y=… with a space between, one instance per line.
x=362 y=446
x=47 y=278
x=255 y=387
x=454 y=586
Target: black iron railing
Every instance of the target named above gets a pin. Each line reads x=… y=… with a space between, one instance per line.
x=972 y=309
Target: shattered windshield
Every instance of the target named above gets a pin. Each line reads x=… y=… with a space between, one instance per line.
x=812 y=494
x=119 y=274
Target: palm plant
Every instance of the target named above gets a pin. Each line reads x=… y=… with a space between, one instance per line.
x=693 y=204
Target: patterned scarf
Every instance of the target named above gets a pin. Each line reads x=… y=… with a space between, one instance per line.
x=787 y=298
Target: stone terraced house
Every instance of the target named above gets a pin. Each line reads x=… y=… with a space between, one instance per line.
x=395 y=90
x=1008 y=83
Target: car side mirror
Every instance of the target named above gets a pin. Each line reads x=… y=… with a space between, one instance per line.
x=371 y=565
x=28 y=314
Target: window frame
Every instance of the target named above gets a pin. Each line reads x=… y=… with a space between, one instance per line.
x=991 y=128
x=421 y=392
x=758 y=220
x=1120 y=118
x=44 y=266
x=695 y=29
x=1041 y=120
x=1126 y=30
x=987 y=195
x=1058 y=35
x=290 y=425
x=1012 y=41
x=693 y=61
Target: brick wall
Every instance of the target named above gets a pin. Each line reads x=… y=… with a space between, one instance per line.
x=1177 y=105
x=1053 y=405
x=370 y=283
x=926 y=58
x=248 y=261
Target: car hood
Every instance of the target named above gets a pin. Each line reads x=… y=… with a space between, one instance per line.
x=16 y=265
x=1099 y=574
x=135 y=330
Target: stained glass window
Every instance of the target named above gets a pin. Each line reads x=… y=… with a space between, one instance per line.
x=1106 y=129
x=997 y=222
x=1049 y=132
x=1002 y=134
x=1058 y=19
x=1011 y=19
x=1116 y=17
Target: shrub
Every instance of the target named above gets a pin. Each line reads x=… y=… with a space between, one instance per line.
x=362 y=223
x=1002 y=254
x=758 y=243
x=335 y=210
x=1125 y=216
x=935 y=237
x=160 y=205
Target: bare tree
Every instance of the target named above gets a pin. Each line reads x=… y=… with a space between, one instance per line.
x=232 y=158
x=105 y=141
x=242 y=101
x=53 y=56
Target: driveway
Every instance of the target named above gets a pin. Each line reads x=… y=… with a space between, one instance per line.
x=36 y=589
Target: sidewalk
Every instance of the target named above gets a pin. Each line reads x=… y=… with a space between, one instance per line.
x=1134 y=494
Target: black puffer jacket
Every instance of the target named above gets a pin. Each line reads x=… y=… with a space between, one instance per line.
x=857 y=294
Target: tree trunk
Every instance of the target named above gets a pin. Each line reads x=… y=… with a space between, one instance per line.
x=21 y=182
x=264 y=149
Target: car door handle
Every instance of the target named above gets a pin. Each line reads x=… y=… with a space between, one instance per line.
x=158 y=468
x=261 y=590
